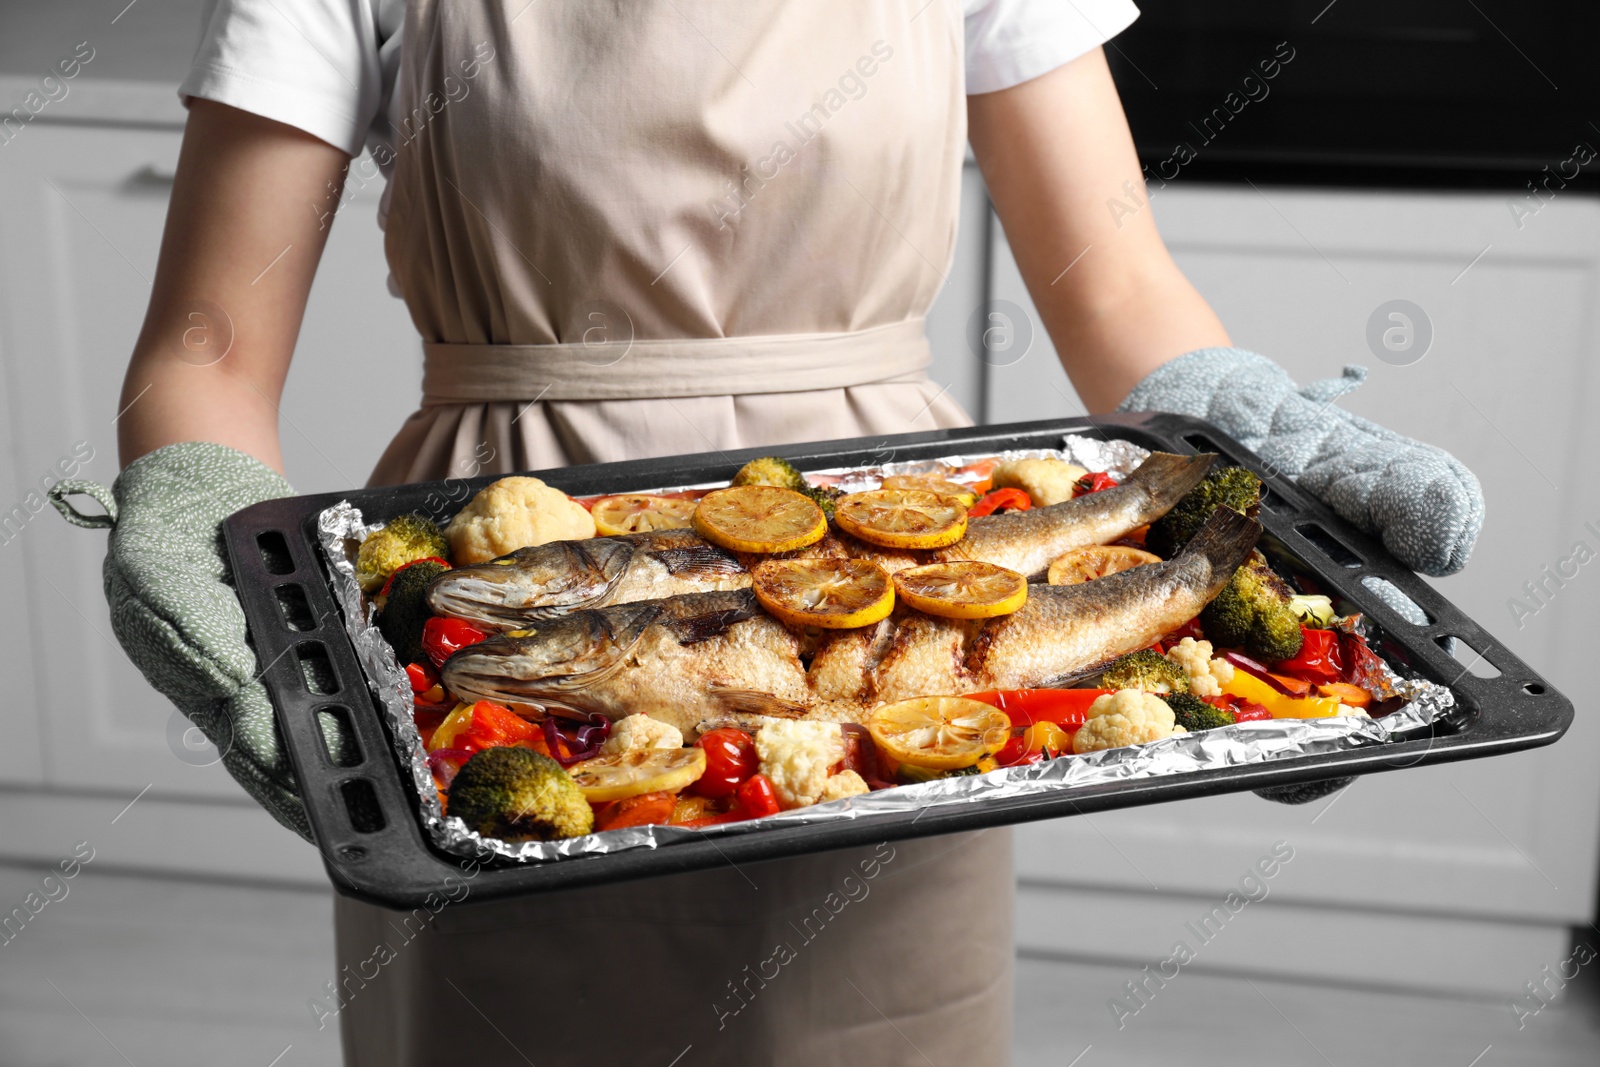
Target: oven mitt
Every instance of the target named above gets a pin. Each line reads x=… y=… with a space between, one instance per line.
x=173 y=605
x=1421 y=501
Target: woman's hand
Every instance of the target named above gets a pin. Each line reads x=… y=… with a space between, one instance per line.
x=1054 y=151
x=245 y=230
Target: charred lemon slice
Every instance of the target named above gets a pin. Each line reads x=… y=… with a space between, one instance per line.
x=835 y=594
x=759 y=518
x=940 y=733
x=1096 y=561
x=932 y=483
x=640 y=514
x=962 y=589
x=642 y=770
x=902 y=518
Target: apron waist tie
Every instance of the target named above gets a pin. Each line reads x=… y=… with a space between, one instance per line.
x=638 y=370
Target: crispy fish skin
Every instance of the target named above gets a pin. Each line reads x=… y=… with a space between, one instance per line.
x=1065 y=630
x=715 y=656
x=547 y=581
x=550 y=580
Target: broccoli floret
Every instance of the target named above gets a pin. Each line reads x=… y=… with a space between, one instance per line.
x=1253 y=612
x=1232 y=487
x=519 y=794
x=406 y=538
x=770 y=470
x=405 y=610
x=1314 y=611
x=1193 y=714
x=1147 y=670
x=824 y=497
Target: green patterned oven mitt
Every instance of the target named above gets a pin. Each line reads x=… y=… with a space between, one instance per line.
x=173 y=605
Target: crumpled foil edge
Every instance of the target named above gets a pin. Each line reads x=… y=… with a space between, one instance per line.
x=341 y=528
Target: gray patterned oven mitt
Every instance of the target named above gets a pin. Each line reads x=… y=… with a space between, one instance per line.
x=173 y=605
x=1420 y=500
x=1424 y=504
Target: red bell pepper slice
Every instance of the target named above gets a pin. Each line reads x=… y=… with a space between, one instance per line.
x=1001 y=500
x=441 y=637
x=496 y=726
x=757 y=797
x=646 y=809
x=1093 y=483
x=1319 y=660
x=1067 y=708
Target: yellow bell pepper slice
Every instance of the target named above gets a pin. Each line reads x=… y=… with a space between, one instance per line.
x=1281 y=705
x=454 y=724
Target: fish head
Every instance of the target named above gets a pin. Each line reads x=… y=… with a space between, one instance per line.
x=561 y=664
x=532 y=584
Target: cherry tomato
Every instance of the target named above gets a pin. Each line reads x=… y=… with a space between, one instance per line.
x=644 y=809
x=422 y=677
x=758 y=798
x=730 y=759
x=1001 y=500
x=442 y=636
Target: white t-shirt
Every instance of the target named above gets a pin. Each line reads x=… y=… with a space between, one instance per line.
x=328 y=66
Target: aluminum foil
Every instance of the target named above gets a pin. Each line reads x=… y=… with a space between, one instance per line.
x=341 y=529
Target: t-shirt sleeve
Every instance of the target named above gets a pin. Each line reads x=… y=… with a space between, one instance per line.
x=310 y=64
x=1013 y=41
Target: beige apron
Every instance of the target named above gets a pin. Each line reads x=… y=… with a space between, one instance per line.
x=647 y=227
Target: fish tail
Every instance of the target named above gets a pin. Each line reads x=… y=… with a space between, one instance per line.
x=1224 y=541
x=1166 y=477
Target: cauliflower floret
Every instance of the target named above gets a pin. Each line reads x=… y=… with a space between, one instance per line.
x=846 y=783
x=1126 y=717
x=1047 y=481
x=1360 y=713
x=796 y=755
x=515 y=513
x=1207 y=676
x=641 y=731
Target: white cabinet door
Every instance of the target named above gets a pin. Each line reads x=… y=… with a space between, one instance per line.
x=81 y=213
x=1507 y=386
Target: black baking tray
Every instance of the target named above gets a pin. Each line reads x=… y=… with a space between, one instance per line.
x=363 y=807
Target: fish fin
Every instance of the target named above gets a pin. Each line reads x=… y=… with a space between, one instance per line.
x=1226 y=539
x=755 y=702
x=698 y=559
x=1166 y=476
x=695 y=628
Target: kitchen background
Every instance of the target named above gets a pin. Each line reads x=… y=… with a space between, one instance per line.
x=1403 y=152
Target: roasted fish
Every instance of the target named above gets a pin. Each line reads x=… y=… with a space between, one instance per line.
x=714 y=656
x=551 y=580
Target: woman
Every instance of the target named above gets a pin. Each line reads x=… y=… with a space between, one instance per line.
x=762 y=196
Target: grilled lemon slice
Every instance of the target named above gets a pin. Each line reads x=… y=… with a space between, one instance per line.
x=640 y=514
x=939 y=733
x=835 y=594
x=759 y=518
x=619 y=775
x=1096 y=561
x=962 y=589
x=932 y=483
x=902 y=518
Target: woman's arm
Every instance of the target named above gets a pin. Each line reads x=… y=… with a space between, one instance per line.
x=245 y=230
x=1054 y=152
